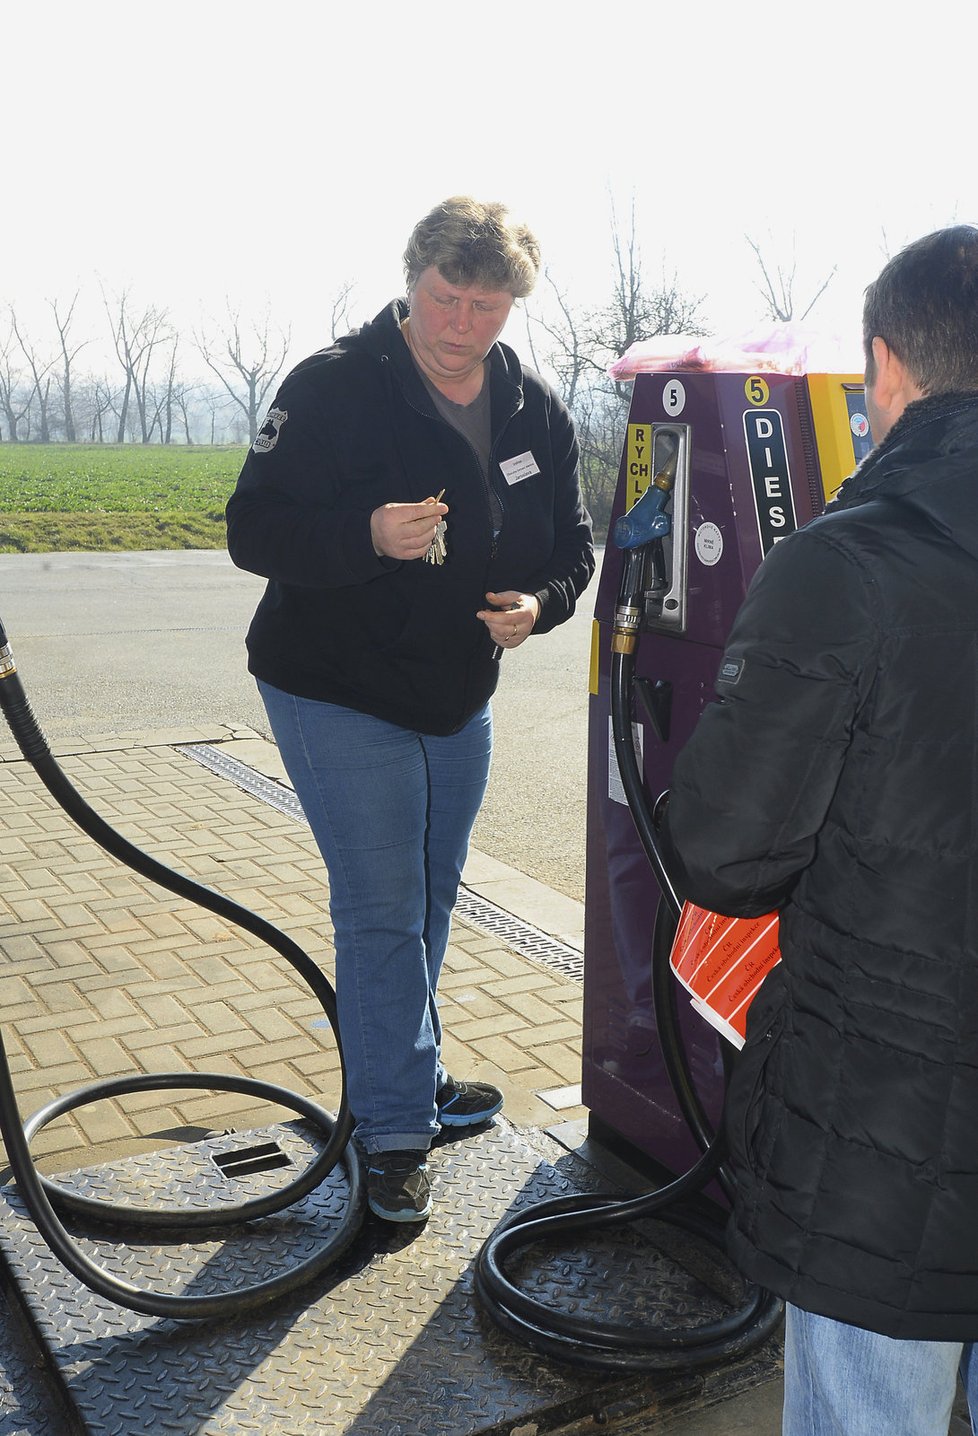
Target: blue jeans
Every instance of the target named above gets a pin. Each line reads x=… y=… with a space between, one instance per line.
x=840 y=1380
x=392 y=812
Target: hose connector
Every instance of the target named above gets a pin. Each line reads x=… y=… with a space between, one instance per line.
x=624 y=632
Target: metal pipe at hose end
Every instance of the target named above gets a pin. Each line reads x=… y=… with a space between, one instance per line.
x=16 y=708
x=7 y=664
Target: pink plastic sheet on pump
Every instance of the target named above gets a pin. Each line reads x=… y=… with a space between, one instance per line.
x=783 y=348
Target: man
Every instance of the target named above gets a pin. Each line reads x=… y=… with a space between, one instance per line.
x=836 y=779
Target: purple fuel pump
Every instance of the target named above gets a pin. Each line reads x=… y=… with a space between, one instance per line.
x=715 y=469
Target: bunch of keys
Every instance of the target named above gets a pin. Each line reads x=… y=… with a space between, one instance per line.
x=438 y=549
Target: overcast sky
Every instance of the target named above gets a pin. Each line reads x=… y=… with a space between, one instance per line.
x=270 y=153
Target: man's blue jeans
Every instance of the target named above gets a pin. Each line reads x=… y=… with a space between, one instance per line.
x=392 y=812
x=842 y=1381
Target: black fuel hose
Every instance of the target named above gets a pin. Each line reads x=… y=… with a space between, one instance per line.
x=603 y=1346
x=44 y=1198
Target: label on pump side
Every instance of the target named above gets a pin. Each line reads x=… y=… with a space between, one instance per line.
x=722 y=961
x=767 y=457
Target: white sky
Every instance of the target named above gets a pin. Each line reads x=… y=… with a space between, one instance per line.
x=268 y=153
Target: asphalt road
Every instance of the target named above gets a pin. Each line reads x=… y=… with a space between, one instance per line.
x=116 y=643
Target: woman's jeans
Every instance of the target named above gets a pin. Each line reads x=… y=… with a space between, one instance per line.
x=842 y=1381
x=392 y=812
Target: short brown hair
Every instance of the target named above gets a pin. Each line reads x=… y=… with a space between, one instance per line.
x=471 y=243
x=924 y=305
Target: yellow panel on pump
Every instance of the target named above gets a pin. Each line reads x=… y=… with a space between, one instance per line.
x=841 y=426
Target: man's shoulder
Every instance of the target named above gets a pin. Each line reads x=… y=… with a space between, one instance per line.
x=851 y=527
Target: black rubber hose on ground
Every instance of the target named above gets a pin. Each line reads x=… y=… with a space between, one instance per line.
x=603 y=1346
x=42 y=1196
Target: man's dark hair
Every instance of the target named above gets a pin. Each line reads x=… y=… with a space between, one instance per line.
x=924 y=305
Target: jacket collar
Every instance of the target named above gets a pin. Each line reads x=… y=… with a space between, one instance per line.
x=382 y=338
x=931 y=428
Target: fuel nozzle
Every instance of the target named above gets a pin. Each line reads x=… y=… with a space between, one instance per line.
x=647 y=519
x=640 y=533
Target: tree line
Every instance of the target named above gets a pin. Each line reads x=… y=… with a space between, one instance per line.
x=146 y=396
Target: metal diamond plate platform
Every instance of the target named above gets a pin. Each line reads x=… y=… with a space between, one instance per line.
x=389 y=1342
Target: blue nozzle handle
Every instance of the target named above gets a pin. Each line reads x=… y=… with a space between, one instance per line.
x=645 y=520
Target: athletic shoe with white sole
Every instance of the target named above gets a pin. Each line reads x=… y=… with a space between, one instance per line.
x=397 y=1185
x=466 y=1104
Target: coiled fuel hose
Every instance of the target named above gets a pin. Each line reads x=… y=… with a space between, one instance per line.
x=45 y=1198
x=605 y=1346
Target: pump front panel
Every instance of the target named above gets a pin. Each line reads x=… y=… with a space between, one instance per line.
x=741 y=453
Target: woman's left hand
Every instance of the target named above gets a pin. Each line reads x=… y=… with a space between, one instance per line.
x=511 y=617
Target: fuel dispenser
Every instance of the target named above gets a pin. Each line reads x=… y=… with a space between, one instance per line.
x=719 y=463
x=721 y=460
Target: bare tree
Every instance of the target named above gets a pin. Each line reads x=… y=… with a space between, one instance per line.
x=183 y=396
x=565 y=349
x=577 y=345
x=94 y=403
x=39 y=369
x=637 y=309
x=246 y=364
x=161 y=398
x=15 y=397
x=339 y=319
x=68 y=356
x=778 y=287
x=135 y=340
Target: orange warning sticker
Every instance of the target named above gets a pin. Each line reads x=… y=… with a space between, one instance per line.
x=722 y=961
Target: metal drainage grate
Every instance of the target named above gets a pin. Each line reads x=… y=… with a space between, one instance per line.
x=276 y=795
x=520 y=935
x=474 y=911
x=243 y=1161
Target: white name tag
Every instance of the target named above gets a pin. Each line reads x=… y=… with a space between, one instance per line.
x=523 y=466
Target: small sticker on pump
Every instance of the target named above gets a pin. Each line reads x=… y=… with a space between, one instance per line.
x=708 y=544
x=616 y=788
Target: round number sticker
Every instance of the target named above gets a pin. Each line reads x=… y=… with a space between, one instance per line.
x=674 y=397
x=756 y=390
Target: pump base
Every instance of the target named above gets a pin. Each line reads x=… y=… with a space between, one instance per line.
x=389 y=1339
x=647 y=1172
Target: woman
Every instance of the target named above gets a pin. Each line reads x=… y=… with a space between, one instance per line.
x=413 y=501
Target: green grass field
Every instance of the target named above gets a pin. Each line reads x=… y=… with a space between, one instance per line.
x=122 y=497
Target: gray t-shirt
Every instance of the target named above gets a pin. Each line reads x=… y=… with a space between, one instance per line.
x=474 y=422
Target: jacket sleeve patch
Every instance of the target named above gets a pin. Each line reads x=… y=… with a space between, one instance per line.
x=731 y=671
x=267 y=436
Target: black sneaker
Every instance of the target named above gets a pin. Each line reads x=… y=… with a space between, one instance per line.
x=397 y=1185
x=466 y=1104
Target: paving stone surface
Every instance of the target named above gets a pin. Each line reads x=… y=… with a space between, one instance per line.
x=103 y=973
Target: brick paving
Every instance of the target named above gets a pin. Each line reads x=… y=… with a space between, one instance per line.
x=103 y=973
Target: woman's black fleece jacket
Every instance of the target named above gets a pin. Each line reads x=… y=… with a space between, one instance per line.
x=351 y=428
